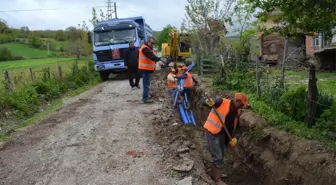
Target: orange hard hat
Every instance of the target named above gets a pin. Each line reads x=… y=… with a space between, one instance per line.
x=242 y=97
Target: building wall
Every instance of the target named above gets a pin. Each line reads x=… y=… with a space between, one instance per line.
x=309 y=47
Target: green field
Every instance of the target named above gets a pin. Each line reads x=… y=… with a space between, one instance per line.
x=24 y=50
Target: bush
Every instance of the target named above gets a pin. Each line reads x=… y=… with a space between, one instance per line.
x=327 y=120
x=5 y=54
x=294 y=103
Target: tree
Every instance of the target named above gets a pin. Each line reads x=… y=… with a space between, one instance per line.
x=300 y=16
x=24 y=32
x=3 y=26
x=207 y=19
x=34 y=40
x=77 y=41
x=164 y=35
x=246 y=29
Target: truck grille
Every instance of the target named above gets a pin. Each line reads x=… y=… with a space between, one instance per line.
x=106 y=55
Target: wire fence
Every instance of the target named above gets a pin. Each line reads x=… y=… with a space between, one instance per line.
x=16 y=79
x=292 y=72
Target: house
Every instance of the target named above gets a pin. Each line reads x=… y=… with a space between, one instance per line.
x=324 y=49
x=272 y=45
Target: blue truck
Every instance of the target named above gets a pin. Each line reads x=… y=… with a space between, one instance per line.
x=110 y=39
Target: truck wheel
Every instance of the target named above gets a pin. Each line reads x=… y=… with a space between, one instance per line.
x=104 y=75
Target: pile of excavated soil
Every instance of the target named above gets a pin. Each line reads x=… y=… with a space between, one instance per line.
x=269 y=155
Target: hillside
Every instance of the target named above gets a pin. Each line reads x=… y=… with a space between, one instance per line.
x=25 y=51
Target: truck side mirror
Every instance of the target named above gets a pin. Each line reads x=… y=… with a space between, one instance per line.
x=89 y=37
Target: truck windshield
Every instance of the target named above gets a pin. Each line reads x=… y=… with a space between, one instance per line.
x=114 y=37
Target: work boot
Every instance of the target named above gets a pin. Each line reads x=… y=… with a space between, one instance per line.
x=216 y=175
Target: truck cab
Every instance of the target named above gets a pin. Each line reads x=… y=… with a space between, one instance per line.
x=110 y=40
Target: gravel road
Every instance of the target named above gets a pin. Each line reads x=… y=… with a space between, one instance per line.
x=86 y=142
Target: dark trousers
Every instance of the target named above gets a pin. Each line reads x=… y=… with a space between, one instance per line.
x=133 y=73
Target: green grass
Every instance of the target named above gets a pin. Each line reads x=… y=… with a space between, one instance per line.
x=32 y=63
x=20 y=69
x=24 y=50
x=60 y=44
x=326 y=82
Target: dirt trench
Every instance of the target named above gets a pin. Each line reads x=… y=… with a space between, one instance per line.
x=270 y=156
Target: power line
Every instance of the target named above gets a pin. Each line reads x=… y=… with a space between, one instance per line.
x=48 y=9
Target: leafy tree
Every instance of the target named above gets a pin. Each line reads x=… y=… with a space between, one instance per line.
x=5 y=54
x=3 y=26
x=163 y=37
x=24 y=32
x=60 y=35
x=34 y=40
x=307 y=16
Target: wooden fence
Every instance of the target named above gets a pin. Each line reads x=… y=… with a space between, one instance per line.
x=44 y=74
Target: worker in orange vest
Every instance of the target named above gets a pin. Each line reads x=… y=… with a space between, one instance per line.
x=188 y=83
x=147 y=63
x=228 y=111
x=172 y=83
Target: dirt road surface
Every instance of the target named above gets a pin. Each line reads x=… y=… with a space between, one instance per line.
x=86 y=142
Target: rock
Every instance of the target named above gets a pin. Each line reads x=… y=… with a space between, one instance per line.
x=186 y=143
x=161 y=99
x=175 y=124
x=185 y=166
x=192 y=146
x=185 y=181
x=183 y=150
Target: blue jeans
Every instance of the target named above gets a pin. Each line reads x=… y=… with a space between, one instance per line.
x=146 y=79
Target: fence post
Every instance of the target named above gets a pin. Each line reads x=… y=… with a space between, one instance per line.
x=284 y=58
x=9 y=83
x=258 y=76
x=312 y=97
x=31 y=74
x=60 y=71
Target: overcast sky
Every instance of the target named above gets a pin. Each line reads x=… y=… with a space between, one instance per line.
x=158 y=13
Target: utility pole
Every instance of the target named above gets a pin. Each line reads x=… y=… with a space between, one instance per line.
x=115 y=10
x=109 y=9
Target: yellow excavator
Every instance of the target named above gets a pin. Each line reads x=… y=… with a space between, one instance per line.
x=178 y=47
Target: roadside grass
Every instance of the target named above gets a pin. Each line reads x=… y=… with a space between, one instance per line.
x=18 y=49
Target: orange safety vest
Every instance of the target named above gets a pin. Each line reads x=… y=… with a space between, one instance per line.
x=213 y=124
x=144 y=62
x=188 y=82
x=171 y=84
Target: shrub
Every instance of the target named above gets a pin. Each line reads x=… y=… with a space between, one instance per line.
x=5 y=54
x=327 y=120
x=294 y=103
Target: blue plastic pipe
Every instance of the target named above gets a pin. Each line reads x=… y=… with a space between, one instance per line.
x=182 y=113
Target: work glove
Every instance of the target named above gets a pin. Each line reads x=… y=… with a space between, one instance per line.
x=210 y=102
x=233 y=142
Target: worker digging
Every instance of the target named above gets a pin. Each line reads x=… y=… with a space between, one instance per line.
x=222 y=128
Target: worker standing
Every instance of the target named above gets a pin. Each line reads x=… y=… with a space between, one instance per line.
x=172 y=83
x=147 y=62
x=223 y=111
x=132 y=63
